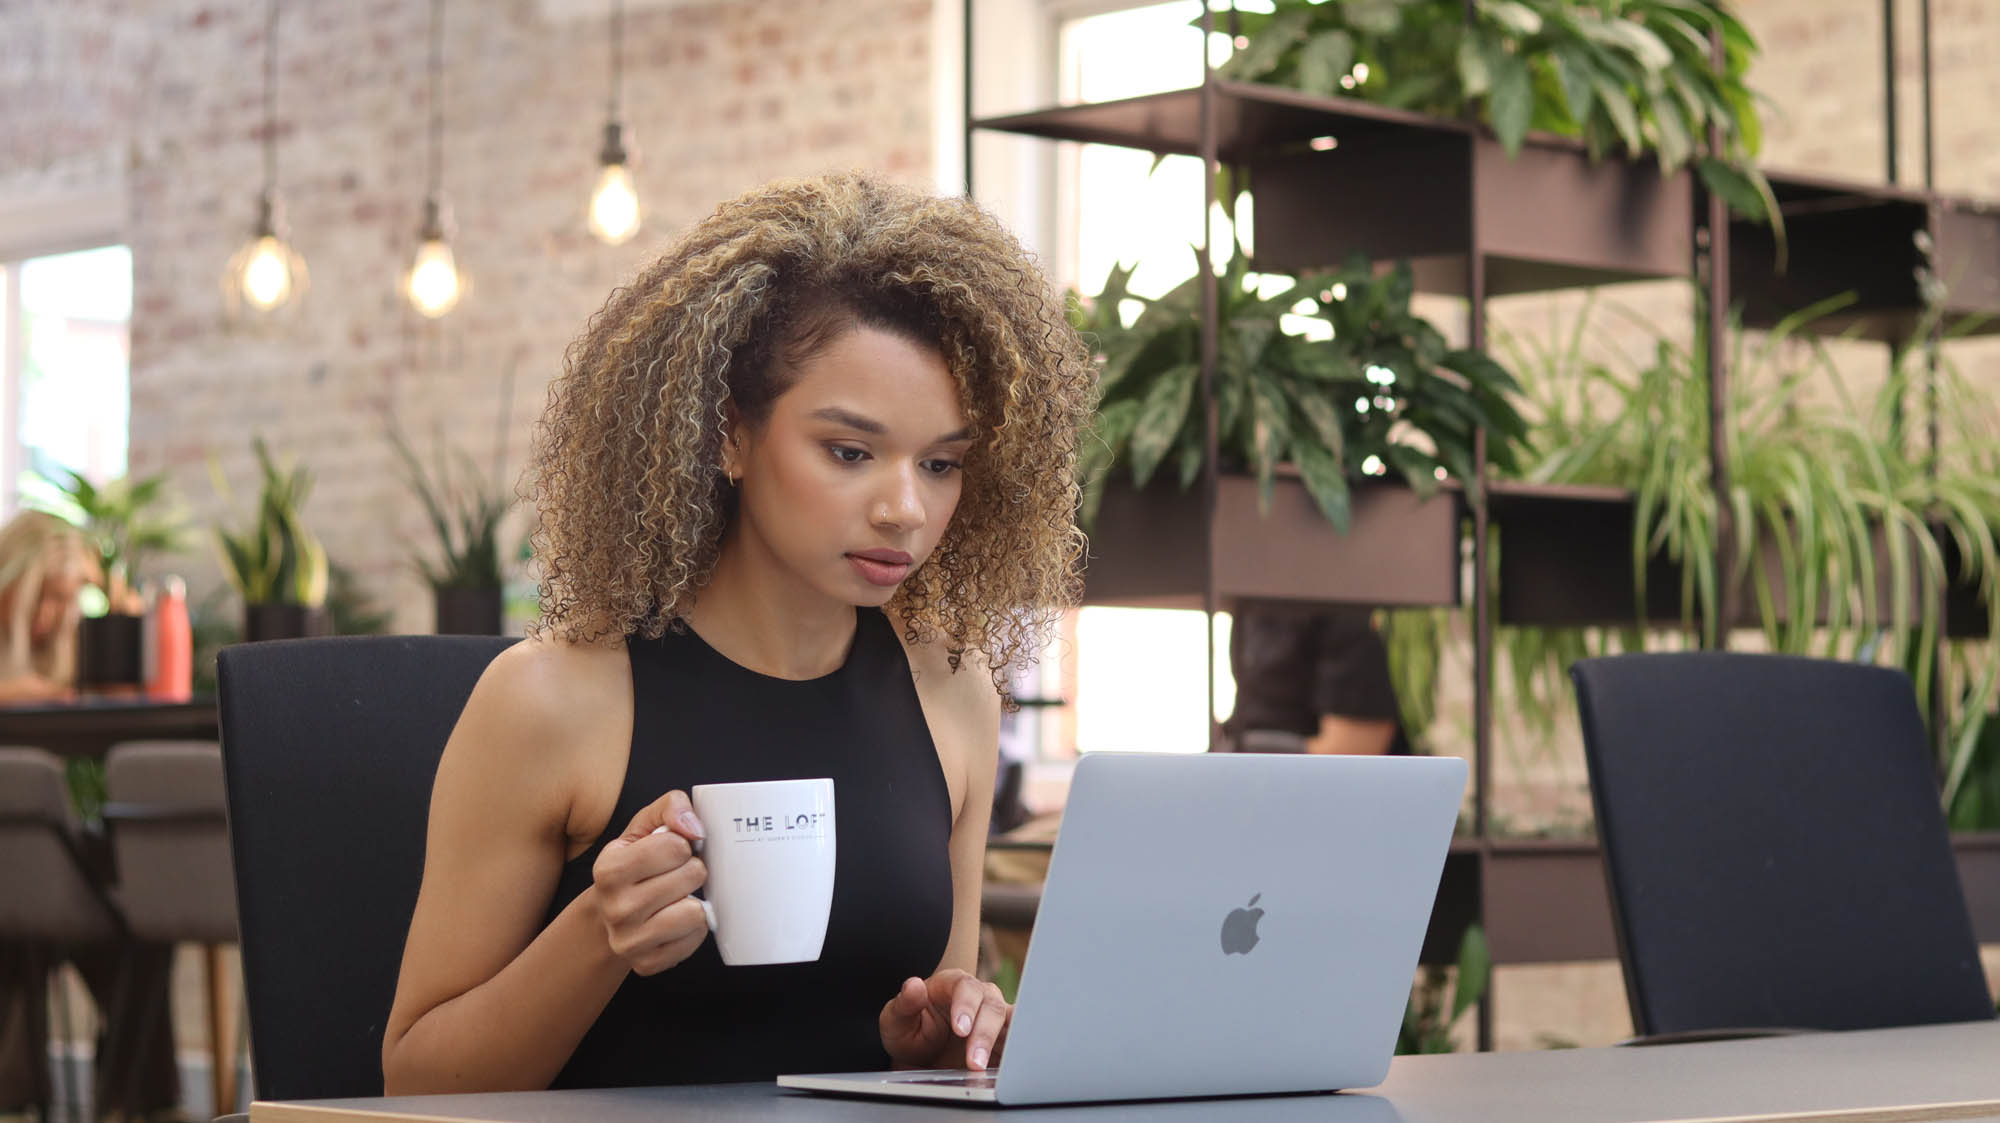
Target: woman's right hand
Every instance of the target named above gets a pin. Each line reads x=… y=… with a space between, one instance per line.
x=643 y=879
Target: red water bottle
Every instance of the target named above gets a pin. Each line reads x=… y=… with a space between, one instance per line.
x=173 y=637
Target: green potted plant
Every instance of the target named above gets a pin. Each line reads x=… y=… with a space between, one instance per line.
x=1838 y=552
x=125 y=520
x=276 y=564
x=1339 y=414
x=1375 y=391
x=465 y=511
x=1632 y=74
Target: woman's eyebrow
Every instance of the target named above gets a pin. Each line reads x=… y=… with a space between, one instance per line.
x=852 y=420
x=873 y=427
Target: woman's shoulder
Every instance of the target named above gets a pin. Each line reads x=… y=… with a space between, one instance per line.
x=555 y=717
x=964 y=692
x=545 y=690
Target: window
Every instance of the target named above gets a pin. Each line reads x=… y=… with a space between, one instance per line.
x=1140 y=674
x=65 y=354
x=1136 y=677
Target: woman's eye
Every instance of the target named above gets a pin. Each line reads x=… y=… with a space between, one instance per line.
x=847 y=455
x=941 y=467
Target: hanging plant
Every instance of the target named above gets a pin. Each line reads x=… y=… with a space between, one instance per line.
x=1630 y=74
x=1823 y=477
x=1372 y=389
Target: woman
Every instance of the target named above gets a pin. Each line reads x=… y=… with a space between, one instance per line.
x=44 y=563
x=806 y=493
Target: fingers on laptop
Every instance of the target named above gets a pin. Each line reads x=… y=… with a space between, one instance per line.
x=978 y=1013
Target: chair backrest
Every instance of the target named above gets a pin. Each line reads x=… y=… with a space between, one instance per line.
x=165 y=812
x=329 y=747
x=47 y=894
x=1774 y=845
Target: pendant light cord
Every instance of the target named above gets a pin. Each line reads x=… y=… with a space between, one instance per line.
x=617 y=68
x=271 y=98
x=437 y=108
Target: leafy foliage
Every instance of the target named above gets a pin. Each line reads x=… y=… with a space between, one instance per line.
x=465 y=512
x=350 y=607
x=1630 y=74
x=277 y=560
x=1821 y=480
x=1384 y=386
x=1428 y=1018
x=125 y=520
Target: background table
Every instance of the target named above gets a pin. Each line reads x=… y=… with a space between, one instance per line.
x=1878 y=1076
x=91 y=726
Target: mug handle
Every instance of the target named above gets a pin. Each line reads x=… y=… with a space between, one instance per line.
x=707 y=910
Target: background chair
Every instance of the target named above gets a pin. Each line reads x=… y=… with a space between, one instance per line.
x=49 y=899
x=1774 y=846
x=164 y=811
x=329 y=747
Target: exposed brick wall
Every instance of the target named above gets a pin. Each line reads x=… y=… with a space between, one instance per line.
x=166 y=96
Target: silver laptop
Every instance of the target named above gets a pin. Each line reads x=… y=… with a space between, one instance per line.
x=1216 y=924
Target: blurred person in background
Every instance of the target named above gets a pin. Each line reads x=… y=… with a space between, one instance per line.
x=44 y=564
x=1310 y=679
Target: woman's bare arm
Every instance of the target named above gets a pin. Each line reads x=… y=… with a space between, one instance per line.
x=489 y=999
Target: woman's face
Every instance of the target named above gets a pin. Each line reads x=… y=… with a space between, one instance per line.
x=852 y=480
x=59 y=592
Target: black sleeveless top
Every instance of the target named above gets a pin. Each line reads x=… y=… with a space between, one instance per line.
x=699 y=718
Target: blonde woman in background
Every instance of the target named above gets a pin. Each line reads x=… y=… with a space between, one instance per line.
x=44 y=564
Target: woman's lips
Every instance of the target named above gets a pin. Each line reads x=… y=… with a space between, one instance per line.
x=876 y=569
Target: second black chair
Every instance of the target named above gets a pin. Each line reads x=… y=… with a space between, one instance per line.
x=1774 y=845
x=329 y=748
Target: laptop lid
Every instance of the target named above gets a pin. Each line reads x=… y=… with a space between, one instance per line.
x=1221 y=924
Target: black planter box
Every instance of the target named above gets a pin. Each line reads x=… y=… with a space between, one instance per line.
x=1866 y=240
x=1147 y=547
x=468 y=612
x=113 y=650
x=284 y=621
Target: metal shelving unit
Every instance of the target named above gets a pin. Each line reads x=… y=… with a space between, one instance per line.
x=1478 y=224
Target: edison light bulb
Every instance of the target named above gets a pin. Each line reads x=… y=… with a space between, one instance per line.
x=267 y=275
x=614 y=206
x=434 y=286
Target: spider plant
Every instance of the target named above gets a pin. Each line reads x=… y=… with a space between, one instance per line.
x=1822 y=484
x=1961 y=488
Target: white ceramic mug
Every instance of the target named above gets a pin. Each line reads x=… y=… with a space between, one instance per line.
x=769 y=850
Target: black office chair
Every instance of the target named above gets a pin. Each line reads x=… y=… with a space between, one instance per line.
x=1773 y=845
x=329 y=747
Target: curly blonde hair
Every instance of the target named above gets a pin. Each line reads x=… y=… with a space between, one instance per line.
x=627 y=472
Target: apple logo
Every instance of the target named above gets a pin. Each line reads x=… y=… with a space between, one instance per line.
x=1239 y=928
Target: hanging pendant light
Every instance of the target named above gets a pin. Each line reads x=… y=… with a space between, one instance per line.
x=433 y=284
x=614 y=206
x=267 y=275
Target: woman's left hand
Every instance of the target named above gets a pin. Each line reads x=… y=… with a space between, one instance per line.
x=950 y=1020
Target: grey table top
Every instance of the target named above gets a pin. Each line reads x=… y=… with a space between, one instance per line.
x=1877 y=1076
